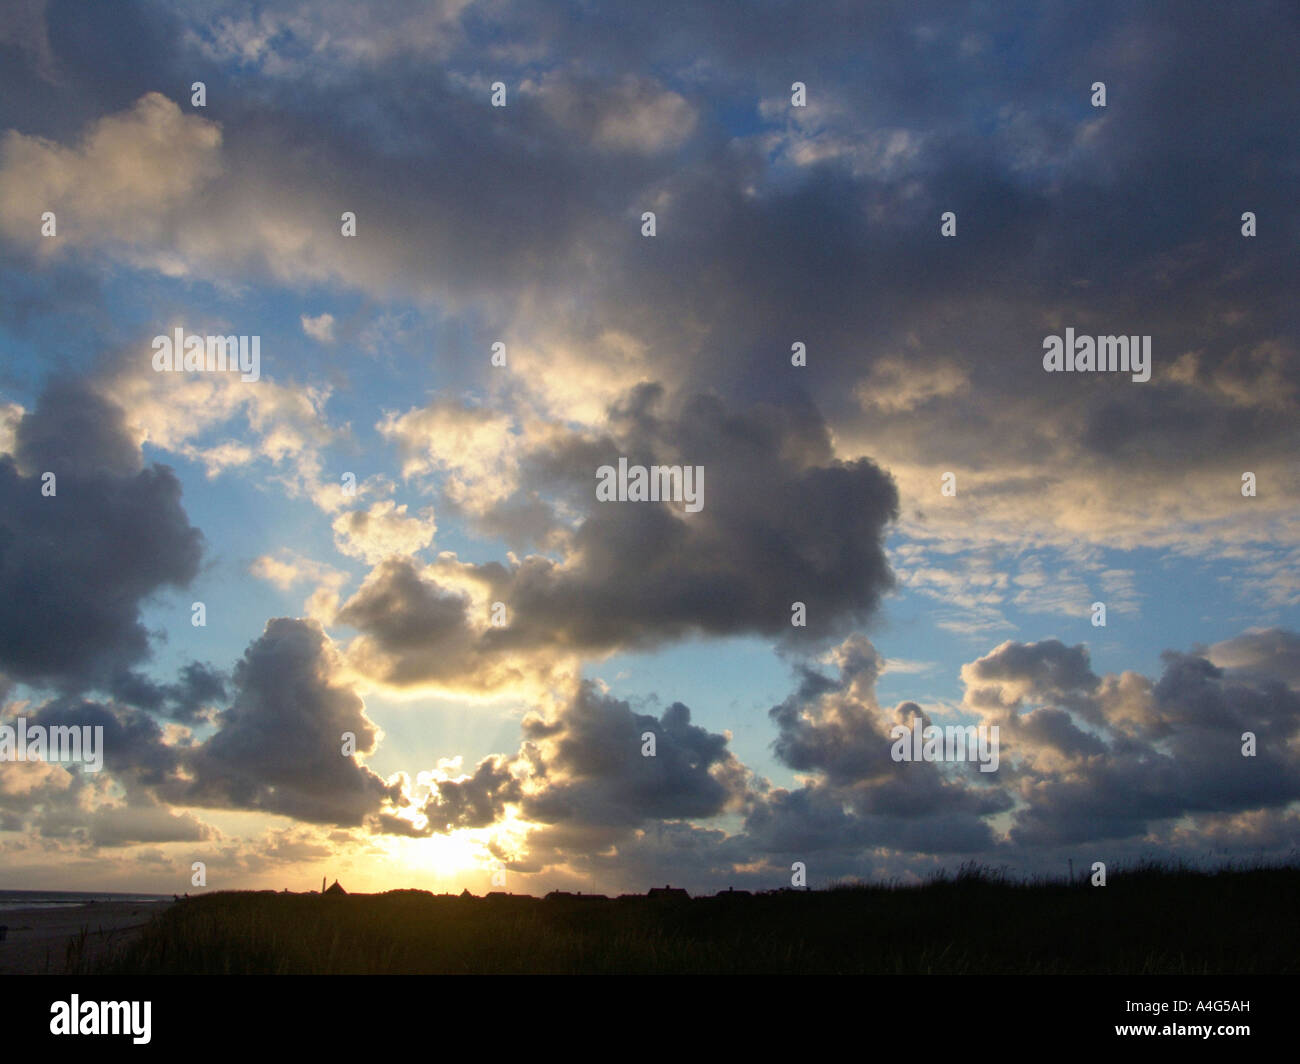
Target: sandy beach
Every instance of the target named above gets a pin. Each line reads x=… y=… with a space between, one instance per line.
x=37 y=939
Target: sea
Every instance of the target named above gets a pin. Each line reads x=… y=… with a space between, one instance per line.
x=66 y=899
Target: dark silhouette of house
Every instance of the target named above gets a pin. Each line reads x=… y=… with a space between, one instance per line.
x=466 y=894
x=668 y=893
x=336 y=890
x=732 y=892
x=568 y=895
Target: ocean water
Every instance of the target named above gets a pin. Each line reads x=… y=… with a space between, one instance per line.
x=64 y=899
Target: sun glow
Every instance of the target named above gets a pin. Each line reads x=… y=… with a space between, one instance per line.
x=474 y=858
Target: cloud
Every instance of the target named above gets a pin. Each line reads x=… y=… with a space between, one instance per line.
x=474 y=446
x=288 y=568
x=224 y=424
x=474 y=801
x=382 y=530
x=286 y=41
x=138 y=755
x=199 y=690
x=856 y=794
x=775 y=224
x=840 y=238
x=1012 y=672
x=417 y=630
x=590 y=763
x=319 y=328
x=636 y=114
x=1261 y=651
x=782 y=522
x=25 y=28
x=278 y=747
x=76 y=566
x=1113 y=757
x=109 y=190
x=585 y=790
x=895 y=386
x=128 y=825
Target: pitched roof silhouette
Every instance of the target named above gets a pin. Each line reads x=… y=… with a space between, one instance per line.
x=335 y=889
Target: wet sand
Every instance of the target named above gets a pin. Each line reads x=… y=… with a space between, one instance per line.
x=37 y=940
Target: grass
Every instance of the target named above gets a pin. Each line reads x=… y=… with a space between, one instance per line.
x=1151 y=918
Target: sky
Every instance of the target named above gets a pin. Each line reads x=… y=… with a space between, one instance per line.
x=366 y=616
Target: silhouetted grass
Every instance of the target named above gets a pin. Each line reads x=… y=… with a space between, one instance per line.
x=1151 y=918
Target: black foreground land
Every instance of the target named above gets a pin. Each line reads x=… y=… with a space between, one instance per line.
x=1147 y=920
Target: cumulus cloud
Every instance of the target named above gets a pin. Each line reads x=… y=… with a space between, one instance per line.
x=590 y=763
x=589 y=797
x=1116 y=762
x=1264 y=651
x=109 y=189
x=287 y=568
x=197 y=692
x=1115 y=756
x=1012 y=672
x=383 y=529
x=475 y=447
x=477 y=800
x=856 y=795
x=782 y=522
x=278 y=747
x=77 y=565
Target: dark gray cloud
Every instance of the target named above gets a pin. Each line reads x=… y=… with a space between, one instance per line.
x=599 y=801
x=1112 y=758
x=194 y=697
x=834 y=729
x=76 y=567
x=812 y=821
x=474 y=802
x=1104 y=767
x=1269 y=651
x=1048 y=667
x=138 y=762
x=782 y=521
x=278 y=747
x=595 y=773
x=136 y=753
x=583 y=776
